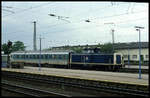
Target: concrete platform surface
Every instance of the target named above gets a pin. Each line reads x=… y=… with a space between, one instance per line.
x=136 y=66
x=127 y=78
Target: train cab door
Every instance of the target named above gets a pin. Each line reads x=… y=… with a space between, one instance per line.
x=118 y=59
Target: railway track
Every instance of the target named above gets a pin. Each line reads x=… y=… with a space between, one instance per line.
x=109 y=89
x=28 y=91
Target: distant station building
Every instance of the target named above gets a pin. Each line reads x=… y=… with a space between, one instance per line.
x=130 y=52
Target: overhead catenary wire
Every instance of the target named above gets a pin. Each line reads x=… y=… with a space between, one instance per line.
x=83 y=21
x=87 y=27
x=94 y=26
x=20 y=11
x=90 y=19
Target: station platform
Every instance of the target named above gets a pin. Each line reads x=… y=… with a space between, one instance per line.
x=136 y=66
x=116 y=77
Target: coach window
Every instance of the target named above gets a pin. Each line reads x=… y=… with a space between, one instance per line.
x=59 y=56
x=37 y=56
x=66 y=56
x=63 y=56
x=26 y=56
x=21 y=56
x=53 y=56
x=33 y=56
x=46 y=56
x=15 y=56
x=29 y=56
x=41 y=56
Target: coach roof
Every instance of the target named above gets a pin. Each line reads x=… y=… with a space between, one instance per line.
x=38 y=52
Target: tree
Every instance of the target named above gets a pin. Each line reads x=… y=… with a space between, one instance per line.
x=5 y=48
x=107 y=48
x=18 y=46
x=77 y=50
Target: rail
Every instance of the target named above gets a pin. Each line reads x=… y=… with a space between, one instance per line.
x=29 y=91
x=94 y=87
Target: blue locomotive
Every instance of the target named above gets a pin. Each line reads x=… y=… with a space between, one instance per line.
x=67 y=60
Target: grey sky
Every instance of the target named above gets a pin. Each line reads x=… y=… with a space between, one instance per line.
x=125 y=15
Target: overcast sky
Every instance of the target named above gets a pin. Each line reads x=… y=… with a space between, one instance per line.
x=17 y=18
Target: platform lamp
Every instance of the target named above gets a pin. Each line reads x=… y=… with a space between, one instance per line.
x=138 y=29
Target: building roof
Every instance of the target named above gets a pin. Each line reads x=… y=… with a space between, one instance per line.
x=132 y=45
x=117 y=46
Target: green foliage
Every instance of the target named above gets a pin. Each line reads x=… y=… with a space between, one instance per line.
x=77 y=50
x=107 y=48
x=16 y=46
x=5 y=48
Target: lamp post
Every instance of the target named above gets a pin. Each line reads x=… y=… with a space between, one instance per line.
x=128 y=56
x=112 y=31
x=138 y=29
x=40 y=54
